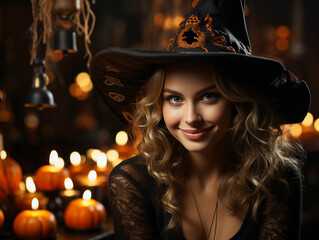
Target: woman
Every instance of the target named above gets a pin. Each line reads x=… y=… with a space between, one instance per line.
x=213 y=163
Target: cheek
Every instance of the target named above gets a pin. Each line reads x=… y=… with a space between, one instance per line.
x=221 y=114
x=170 y=116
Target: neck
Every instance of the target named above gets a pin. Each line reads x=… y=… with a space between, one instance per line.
x=206 y=166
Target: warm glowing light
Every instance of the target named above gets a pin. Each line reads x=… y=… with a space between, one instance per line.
x=53 y=159
x=102 y=160
x=87 y=88
x=92 y=175
x=83 y=79
x=94 y=154
x=308 y=120
x=87 y=195
x=30 y=185
x=3 y=154
x=158 y=19
x=77 y=92
x=121 y=138
x=75 y=158
x=22 y=186
x=178 y=20
x=68 y=184
x=35 y=204
x=31 y=121
x=283 y=31
x=296 y=130
x=282 y=44
x=168 y=23
x=316 y=125
x=112 y=155
x=60 y=163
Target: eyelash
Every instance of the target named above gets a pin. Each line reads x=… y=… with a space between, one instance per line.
x=171 y=97
x=213 y=96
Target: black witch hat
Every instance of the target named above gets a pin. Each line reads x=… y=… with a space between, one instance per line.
x=213 y=31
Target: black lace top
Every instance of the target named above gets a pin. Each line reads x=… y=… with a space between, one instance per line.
x=137 y=213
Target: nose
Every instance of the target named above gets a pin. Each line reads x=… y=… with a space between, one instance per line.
x=192 y=114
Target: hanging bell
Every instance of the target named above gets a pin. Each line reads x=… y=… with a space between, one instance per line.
x=66 y=7
x=39 y=96
x=65 y=40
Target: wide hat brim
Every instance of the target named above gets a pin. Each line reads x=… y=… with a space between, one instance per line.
x=118 y=74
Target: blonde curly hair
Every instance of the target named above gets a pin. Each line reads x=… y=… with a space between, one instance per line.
x=258 y=155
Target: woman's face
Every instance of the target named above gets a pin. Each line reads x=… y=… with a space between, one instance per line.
x=194 y=111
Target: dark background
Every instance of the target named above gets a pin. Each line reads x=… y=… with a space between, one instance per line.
x=79 y=125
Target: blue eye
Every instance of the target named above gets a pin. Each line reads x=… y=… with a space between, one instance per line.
x=210 y=96
x=174 y=99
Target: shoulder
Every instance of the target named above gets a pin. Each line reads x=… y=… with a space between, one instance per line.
x=287 y=183
x=132 y=171
x=131 y=166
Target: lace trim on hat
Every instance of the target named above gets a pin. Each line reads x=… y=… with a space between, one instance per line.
x=116 y=96
x=196 y=35
x=191 y=36
x=128 y=116
x=111 y=68
x=110 y=81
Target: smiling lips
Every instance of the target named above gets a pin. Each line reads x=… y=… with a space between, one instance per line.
x=195 y=134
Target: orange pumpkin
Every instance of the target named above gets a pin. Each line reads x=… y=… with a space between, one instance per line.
x=2 y=218
x=10 y=175
x=35 y=224
x=83 y=214
x=50 y=178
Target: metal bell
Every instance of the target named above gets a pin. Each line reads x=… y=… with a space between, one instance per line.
x=65 y=40
x=39 y=95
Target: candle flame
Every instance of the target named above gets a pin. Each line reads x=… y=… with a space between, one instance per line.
x=60 y=163
x=112 y=155
x=35 y=204
x=316 y=125
x=53 y=159
x=68 y=184
x=92 y=175
x=3 y=154
x=308 y=120
x=296 y=130
x=121 y=138
x=102 y=160
x=75 y=158
x=87 y=195
x=30 y=185
x=94 y=154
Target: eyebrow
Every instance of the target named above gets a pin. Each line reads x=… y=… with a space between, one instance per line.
x=211 y=87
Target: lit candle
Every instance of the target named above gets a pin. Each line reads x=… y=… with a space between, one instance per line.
x=124 y=149
x=51 y=177
x=77 y=165
x=84 y=213
x=113 y=156
x=69 y=194
x=35 y=224
x=103 y=168
x=92 y=182
x=31 y=194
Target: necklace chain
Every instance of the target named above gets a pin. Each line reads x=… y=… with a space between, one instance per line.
x=215 y=214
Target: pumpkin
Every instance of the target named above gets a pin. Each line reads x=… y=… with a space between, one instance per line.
x=35 y=224
x=50 y=178
x=10 y=175
x=83 y=214
x=2 y=218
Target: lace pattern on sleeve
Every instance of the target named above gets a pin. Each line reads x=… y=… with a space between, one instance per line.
x=132 y=211
x=282 y=220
